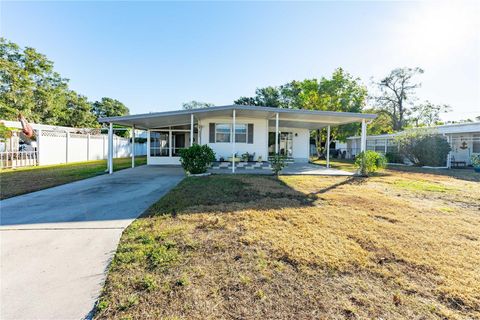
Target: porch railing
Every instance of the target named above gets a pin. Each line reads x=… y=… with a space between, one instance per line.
x=13 y=159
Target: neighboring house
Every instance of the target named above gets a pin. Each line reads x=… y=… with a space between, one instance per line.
x=464 y=139
x=262 y=131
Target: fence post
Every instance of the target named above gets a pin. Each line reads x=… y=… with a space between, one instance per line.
x=39 y=139
x=88 y=146
x=67 y=138
x=103 y=154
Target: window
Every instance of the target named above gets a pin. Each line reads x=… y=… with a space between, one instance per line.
x=241 y=133
x=476 y=143
x=222 y=132
x=159 y=144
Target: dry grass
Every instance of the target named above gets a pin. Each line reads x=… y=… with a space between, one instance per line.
x=401 y=245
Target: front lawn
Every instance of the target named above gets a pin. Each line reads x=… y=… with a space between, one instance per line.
x=14 y=182
x=252 y=247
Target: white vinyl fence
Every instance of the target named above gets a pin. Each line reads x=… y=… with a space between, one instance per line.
x=56 y=147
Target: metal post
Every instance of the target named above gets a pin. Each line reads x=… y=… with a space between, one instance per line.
x=170 y=143
x=110 y=148
x=191 y=129
x=276 y=133
x=386 y=143
x=233 y=141
x=363 y=143
x=66 y=146
x=133 y=146
x=328 y=147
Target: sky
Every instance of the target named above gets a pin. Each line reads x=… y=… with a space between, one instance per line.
x=153 y=56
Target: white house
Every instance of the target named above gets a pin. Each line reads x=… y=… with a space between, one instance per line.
x=464 y=139
x=262 y=131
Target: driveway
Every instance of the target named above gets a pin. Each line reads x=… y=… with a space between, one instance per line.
x=56 y=244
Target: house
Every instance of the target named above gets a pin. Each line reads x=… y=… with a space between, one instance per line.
x=260 y=131
x=464 y=139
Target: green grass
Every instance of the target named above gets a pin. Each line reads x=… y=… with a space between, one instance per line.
x=420 y=185
x=14 y=182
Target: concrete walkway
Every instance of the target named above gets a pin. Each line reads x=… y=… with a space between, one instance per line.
x=56 y=243
x=312 y=169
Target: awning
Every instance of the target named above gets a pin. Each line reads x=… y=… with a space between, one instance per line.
x=292 y=118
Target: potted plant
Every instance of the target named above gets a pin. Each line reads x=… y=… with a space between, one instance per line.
x=259 y=159
x=245 y=157
x=476 y=162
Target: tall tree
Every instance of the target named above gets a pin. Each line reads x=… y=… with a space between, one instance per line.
x=79 y=112
x=427 y=113
x=196 y=105
x=397 y=94
x=382 y=124
x=108 y=107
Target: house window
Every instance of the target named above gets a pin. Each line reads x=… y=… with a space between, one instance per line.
x=241 y=133
x=159 y=144
x=476 y=143
x=222 y=132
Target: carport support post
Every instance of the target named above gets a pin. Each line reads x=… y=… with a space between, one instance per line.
x=233 y=141
x=328 y=147
x=110 y=148
x=133 y=146
x=276 y=133
x=191 y=129
x=363 y=139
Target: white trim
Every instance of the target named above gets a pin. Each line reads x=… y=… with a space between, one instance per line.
x=276 y=133
x=191 y=130
x=328 y=147
x=133 y=146
x=110 y=148
x=232 y=139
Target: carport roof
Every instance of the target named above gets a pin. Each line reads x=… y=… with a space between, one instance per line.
x=295 y=118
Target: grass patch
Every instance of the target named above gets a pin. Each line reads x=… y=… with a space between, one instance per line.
x=420 y=185
x=14 y=182
x=240 y=246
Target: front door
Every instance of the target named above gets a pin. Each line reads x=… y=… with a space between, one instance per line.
x=285 y=143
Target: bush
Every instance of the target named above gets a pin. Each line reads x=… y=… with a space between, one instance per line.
x=197 y=158
x=394 y=157
x=278 y=163
x=369 y=161
x=424 y=147
x=475 y=160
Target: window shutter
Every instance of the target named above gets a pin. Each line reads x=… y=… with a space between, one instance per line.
x=211 y=132
x=250 y=133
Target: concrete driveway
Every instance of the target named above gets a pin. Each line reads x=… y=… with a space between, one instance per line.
x=57 y=243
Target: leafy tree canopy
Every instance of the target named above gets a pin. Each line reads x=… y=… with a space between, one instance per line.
x=29 y=85
x=196 y=105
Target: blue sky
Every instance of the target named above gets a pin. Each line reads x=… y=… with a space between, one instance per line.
x=155 y=55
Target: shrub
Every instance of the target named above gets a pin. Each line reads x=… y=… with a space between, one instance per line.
x=197 y=158
x=475 y=160
x=394 y=157
x=423 y=147
x=278 y=163
x=369 y=161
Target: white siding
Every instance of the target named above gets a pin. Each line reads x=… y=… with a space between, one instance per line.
x=260 y=138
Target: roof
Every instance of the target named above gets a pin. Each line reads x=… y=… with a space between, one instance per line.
x=311 y=119
x=457 y=128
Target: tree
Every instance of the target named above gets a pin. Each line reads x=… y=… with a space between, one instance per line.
x=28 y=85
x=246 y=101
x=79 y=112
x=382 y=124
x=397 y=93
x=108 y=107
x=196 y=105
x=428 y=113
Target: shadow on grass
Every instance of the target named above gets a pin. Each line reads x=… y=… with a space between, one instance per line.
x=209 y=192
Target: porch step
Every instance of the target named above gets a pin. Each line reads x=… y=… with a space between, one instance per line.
x=242 y=165
x=288 y=160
